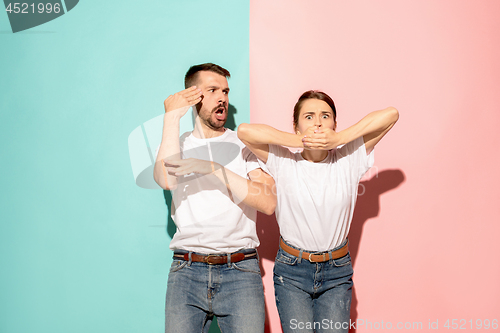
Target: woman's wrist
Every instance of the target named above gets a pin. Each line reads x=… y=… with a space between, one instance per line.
x=341 y=138
x=297 y=141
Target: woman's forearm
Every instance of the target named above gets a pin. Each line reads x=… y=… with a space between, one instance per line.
x=259 y=134
x=372 y=128
x=372 y=124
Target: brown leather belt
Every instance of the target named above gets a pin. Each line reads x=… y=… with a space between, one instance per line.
x=216 y=259
x=314 y=257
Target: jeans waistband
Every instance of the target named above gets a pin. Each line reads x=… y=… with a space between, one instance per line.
x=216 y=259
x=315 y=257
x=319 y=252
x=244 y=251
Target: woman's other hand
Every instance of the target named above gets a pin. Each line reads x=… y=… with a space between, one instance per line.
x=317 y=137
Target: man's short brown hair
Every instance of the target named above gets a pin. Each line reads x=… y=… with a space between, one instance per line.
x=192 y=73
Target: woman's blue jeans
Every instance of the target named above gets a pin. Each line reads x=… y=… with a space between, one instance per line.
x=313 y=297
x=196 y=292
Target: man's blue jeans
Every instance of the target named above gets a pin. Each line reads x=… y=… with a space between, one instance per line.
x=313 y=297
x=196 y=292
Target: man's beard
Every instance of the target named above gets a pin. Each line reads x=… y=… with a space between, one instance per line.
x=217 y=124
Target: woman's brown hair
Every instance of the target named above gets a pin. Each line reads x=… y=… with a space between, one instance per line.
x=314 y=94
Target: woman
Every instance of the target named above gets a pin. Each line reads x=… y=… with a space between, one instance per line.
x=316 y=190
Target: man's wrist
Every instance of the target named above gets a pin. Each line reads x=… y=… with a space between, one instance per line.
x=172 y=117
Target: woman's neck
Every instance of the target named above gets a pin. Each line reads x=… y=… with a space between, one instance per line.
x=314 y=155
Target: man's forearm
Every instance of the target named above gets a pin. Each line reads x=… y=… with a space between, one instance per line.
x=255 y=194
x=169 y=148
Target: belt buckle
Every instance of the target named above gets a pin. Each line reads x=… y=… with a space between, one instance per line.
x=313 y=253
x=207 y=259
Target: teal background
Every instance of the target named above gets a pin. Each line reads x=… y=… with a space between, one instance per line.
x=82 y=247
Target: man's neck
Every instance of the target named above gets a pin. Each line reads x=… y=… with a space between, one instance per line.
x=204 y=132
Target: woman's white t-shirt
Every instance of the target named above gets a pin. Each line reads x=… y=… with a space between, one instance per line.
x=316 y=200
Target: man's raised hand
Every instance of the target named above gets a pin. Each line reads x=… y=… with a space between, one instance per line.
x=181 y=101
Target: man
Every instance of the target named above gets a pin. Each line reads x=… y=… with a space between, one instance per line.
x=216 y=187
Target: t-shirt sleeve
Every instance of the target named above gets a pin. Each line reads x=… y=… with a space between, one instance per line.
x=355 y=153
x=250 y=159
x=275 y=159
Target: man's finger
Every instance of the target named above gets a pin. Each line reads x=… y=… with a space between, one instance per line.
x=172 y=163
x=194 y=98
x=192 y=88
x=196 y=101
x=184 y=170
x=171 y=170
x=192 y=93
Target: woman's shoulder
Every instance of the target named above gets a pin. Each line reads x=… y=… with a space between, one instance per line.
x=283 y=152
x=349 y=148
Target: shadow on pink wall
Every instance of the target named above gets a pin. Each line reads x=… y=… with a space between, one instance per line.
x=367 y=207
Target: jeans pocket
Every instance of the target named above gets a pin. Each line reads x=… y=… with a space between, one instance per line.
x=177 y=265
x=285 y=258
x=342 y=261
x=249 y=265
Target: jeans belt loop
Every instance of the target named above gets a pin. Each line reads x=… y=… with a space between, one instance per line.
x=300 y=255
x=330 y=257
x=229 y=260
x=190 y=260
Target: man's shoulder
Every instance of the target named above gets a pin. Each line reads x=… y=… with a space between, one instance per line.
x=232 y=136
x=185 y=140
x=185 y=135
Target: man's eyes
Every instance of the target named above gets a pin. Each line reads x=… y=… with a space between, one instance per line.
x=225 y=92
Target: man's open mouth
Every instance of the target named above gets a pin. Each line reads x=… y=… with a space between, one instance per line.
x=220 y=113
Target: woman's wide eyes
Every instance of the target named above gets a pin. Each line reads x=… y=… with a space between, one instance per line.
x=325 y=116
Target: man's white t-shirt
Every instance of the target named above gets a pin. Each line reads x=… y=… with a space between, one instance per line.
x=208 y=219
x=316 y=200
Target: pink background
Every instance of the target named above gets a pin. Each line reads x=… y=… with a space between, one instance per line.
x=425 y=233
